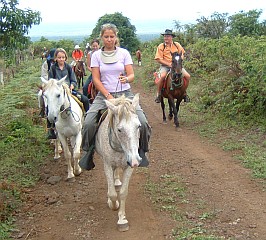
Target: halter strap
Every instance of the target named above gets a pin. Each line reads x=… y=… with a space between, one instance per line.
x=63 y=108
x=114 y=145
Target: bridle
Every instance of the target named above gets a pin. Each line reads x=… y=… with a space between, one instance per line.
x=67 y=109
x=176 y=75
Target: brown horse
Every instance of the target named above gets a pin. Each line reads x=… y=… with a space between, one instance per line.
x=138 y=55
x=174 y=88
x=80 y=73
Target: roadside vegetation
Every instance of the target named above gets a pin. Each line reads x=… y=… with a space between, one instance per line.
x=226 y=58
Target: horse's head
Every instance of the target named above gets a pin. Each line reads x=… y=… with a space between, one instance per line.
x=54 y=92
x=177 y=61
x=125 y=126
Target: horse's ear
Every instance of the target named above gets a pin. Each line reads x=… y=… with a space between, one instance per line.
x=135 y=101
x=44 y=80
x=111 y=106
x=62 y=80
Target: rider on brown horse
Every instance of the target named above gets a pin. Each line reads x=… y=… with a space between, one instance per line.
x=77 y=55
x=164 y=58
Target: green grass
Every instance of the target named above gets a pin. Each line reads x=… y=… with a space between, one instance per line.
x=167 y=195
x=244 y=139
x=23 y=149
x=23 y=146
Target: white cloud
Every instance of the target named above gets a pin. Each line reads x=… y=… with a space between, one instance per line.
x=60 y=11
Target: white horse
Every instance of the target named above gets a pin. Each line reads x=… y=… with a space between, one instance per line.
x=67 y=115
x=43 y=104
x=117 y=142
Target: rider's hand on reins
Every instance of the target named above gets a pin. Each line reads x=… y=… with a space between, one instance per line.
x=123 y=79
x=71 y=87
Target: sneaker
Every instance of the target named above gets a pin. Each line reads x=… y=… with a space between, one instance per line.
x=42 y=113
x=158 y=99
x=186 y=98
x=51 y=134
x=144 y=162
x=86 y=161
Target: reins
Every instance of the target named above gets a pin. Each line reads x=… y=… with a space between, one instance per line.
x=117 y=87
x=174 y=76
x=68 y=109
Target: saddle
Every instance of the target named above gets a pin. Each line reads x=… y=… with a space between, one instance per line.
x=79 y=102
x=101 y=116
x=92 y=91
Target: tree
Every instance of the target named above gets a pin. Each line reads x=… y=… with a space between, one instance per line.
x=14 y=24
x=127 y=32
x=247 y=24
x=214 y=28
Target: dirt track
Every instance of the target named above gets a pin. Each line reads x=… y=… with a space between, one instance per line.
x=215 y=182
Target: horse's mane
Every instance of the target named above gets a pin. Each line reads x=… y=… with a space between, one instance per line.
x=66 y=87
x=50 y=83
x=53 y=82
x=125 y=108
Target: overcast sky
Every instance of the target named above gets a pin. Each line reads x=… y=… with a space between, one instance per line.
x=186 y=11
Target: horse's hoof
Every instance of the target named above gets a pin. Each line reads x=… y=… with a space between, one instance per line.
x=111 y=206
x=123 y=227
x=164 y=122
x=56 y=157
x=78 y=172
x=70 y=180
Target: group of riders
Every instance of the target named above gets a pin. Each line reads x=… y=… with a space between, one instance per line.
x=56 y=67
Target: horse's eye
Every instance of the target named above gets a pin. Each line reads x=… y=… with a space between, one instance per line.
x=58 y=96
x=119 y=129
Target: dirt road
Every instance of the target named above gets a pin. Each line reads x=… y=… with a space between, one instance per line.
x=221 y=197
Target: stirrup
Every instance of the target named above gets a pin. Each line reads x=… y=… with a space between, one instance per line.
x=51 y=134
x=186 y=99
x=158 y=99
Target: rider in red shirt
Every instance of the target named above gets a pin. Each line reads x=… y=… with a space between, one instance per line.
x=77 y=55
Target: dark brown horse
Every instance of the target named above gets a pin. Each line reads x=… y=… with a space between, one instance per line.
x=174 y=88
x=80 y=73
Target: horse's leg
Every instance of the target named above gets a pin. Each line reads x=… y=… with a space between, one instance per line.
x=170 y=116
x=117 y=181
x=172 y=105
x=60 y=150
x=78 y=78
x=112 y=201
x=56 y=149
x=122 y=223
x=76 y=143
x=67 y=155
x=163 y=109
x=177 y=110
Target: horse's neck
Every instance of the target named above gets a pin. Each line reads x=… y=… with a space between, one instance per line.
x=113 y=140
x=67 y=101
